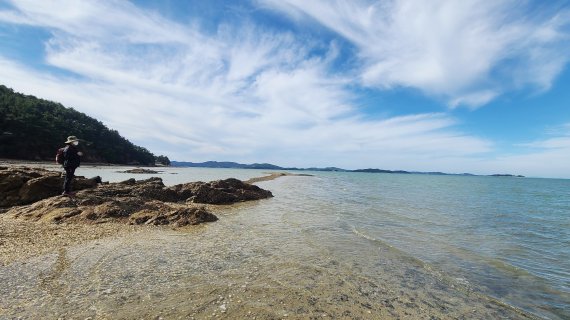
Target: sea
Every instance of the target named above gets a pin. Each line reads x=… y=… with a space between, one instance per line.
x=504 y=238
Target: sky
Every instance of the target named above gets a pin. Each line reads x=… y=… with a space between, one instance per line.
x=442 y=85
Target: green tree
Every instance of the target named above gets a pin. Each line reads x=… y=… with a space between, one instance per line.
x=163 y=160
x=33 y=129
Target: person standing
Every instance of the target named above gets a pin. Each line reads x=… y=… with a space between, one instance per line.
x=71 y=161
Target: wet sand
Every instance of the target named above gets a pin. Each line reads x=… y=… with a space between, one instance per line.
x=275 y=175
x=21 y=239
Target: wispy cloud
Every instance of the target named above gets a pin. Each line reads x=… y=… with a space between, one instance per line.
x=112 y=19
x=242 y=92
x=456 y=50
x=558 y=138
x=546 y=157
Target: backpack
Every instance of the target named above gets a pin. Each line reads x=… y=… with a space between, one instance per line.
x=59 y=156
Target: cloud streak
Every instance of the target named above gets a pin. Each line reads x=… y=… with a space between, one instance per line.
x=247 y=93
x=449 y=49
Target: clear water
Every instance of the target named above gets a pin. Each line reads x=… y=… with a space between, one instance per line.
x=422 y=236
x=510 y=237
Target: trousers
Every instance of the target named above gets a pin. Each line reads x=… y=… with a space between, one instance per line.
x=68 y=181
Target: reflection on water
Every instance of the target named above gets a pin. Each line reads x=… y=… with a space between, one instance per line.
x=320 y=248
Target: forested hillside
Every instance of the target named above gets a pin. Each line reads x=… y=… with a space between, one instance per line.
x=33 y=129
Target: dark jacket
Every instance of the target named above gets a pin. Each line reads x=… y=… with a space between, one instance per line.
x=71 y=158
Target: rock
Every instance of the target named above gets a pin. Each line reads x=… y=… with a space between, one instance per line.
x=19 y=186
x=134 y=202
x=220 y=192
x=179 y=216
x=140 y=171
x=92 y=209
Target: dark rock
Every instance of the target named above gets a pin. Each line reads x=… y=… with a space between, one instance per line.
x=220 y=192
x=116 y=202
x=130 y=181
x=178 y=216
x=140 y=171
x=19 y=186
x=135 y=202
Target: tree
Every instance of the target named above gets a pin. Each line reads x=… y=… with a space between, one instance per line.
x=33 y=129
x=163 y=160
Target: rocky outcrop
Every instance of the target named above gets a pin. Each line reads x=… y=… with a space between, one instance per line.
x=20 y=185
x=136 y=202
x=140 y=171
x=220 y=192
x=92 y=208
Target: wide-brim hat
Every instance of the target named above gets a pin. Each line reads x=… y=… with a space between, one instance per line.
x=71 y=139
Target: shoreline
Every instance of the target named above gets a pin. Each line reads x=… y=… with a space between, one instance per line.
x=22 y=239
x=258 y=284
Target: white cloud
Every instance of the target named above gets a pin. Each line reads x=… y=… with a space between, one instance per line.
x=13 y=17
x=547 y=157
x=112 y=19
x=474 y=99
x=531 y=164
x=559 y=139
x=275 y=120
x=242 y=93
x=446 y=48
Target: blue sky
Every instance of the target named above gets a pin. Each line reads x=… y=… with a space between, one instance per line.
x=443 y=85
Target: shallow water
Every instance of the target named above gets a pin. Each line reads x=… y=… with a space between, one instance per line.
x=344 y=245
x=508 y=237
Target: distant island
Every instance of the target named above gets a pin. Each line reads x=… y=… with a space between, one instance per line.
x=268 y=166
x=507 y=175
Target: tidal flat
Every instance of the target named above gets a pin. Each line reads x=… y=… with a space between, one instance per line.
x=287 y=257
x=232 y=268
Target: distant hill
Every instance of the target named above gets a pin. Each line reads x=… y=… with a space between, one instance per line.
x=33 y=129
x=506 y=175
x=383 y=171
x=226 y=164
x=268 y=166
